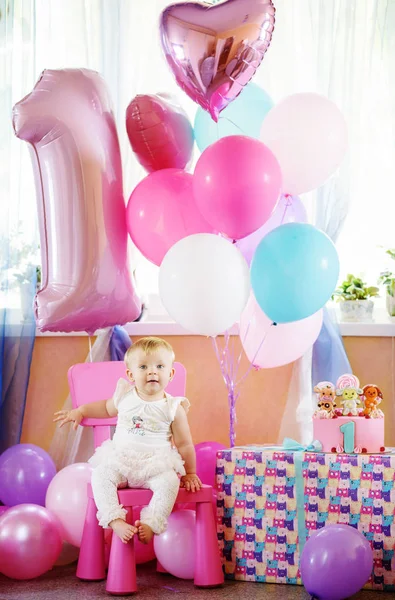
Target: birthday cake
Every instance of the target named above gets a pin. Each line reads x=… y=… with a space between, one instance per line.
x=348 y=418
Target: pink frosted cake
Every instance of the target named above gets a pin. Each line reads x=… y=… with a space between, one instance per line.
x=348 y=427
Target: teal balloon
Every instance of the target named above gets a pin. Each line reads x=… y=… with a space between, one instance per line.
x=243 y=116
x=294 y=272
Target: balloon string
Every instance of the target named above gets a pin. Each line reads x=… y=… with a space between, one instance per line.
x=229 y=367
x=90 y=349
x=252 y=363
x=288 y=203
x=234 y=124
x=226 y=370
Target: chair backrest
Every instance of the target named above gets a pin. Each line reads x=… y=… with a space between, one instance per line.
x=90 y=382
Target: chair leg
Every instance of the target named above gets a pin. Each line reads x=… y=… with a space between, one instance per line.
x=121 y=576
x=91 y=559
x=208 y=568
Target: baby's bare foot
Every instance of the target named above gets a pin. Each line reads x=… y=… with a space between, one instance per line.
x=144 y=532
x=123 y=530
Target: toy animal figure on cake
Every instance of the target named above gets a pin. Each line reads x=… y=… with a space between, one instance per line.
x=372 y=397
x=326 y=396
x=347 y=387
x=357 y=425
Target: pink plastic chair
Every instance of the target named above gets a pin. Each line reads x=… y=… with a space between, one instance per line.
x=90 y=382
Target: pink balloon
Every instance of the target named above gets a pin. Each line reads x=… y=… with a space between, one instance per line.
x=290 y=209
x=161 y=211
x=86 y=284
x=308 y=134
x=270 y=346
x=67 y=498
x=159 y=132
x=175 y=548
x=236 y=184
x=3 y=509
x=214 y=51
x=29 y=541
x=206 y=461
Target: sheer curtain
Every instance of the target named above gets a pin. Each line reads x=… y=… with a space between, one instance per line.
x=18 y=238
x=338 y=51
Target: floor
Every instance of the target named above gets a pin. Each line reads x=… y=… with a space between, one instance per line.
x=61 y=583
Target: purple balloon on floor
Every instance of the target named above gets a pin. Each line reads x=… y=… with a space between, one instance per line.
x=25 y=473
x=336 y=562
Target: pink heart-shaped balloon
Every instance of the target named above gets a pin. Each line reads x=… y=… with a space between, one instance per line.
x=214 y=51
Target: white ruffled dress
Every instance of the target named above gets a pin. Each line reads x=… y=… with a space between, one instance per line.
x=141 y=446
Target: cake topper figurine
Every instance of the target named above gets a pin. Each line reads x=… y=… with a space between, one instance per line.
x=326 y=404
x=347 y=387
x=372 y=397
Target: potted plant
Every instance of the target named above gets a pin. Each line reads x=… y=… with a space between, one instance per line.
x=354 y=297
x=387 y=278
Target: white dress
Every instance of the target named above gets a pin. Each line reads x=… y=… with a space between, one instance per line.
x=139 y=455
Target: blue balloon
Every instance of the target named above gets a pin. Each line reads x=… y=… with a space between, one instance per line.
x=243 y=116
x=294 y=272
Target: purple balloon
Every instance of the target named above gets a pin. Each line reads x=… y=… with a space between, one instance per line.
x=336 y=562
x=25 y=473
x=289 y=209
x=206 y=461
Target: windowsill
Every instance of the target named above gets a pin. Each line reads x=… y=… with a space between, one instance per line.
x=382 y=325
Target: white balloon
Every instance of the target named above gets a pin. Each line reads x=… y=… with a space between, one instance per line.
x=204 y=283
x=308 y=135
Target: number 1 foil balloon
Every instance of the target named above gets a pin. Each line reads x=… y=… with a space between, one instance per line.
x=67 y=120
x=214 y=51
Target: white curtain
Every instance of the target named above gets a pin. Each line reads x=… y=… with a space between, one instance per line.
x=18 y=234
x=342 y=50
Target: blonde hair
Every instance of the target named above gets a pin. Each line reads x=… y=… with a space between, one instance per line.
x=148 y=345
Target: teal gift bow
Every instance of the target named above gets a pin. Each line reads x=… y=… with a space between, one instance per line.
x=291 y=445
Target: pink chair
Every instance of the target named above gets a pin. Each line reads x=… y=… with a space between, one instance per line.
x=90 y=382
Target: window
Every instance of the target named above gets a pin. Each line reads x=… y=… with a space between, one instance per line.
x=337 y=48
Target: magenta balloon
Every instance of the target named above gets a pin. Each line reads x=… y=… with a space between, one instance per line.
x=3 y=509
x=206 y=461
x=214 y=51
x=26 y=471
x=30 y=542
x=268 y=346
x=161 y=211
x=175 y=548
x=237 y=183
x=159 y=132
x=86 y=284
x=336 y=562
x=290 y=209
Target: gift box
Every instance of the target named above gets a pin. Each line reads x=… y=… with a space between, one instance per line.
x=270 y=500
